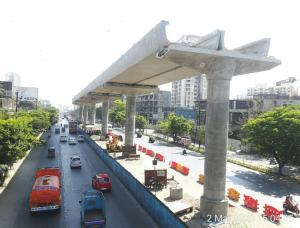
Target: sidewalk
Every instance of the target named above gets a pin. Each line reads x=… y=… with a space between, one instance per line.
x=15 y=167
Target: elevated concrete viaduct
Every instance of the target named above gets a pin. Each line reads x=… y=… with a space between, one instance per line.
x=154 y=60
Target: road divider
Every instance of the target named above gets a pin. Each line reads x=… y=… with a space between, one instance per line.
x=201 y=179
x=272 y=213
x=160 y=157
x=233 y=194
x=163 y=216
x=180 y=168
x=251 y=203
x=150 y=153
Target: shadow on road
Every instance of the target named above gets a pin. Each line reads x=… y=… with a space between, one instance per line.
x=263 y=183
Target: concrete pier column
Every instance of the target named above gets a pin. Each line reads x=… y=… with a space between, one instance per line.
x=105 y=108
x=214 y=205
x=130 y=120
x=85 y=114
x=81 y=108
x=92 y=113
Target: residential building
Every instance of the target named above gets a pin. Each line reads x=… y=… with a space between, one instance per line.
x=285 y=88
x=185 y=92
x=14 y=78
x=154 y=106
x=45 y=103
x=239 y=111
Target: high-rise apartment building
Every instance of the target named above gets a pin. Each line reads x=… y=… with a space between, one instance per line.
x=154 y=106
x=14 y=78
x=185 y=92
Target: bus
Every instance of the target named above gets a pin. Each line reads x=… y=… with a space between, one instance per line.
x=73 y=127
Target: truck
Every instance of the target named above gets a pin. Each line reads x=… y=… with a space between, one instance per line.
x=92 y=209
x=46 y=191
x=73 y=127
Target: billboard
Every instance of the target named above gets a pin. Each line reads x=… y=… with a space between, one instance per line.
x=27 y=93
x=5 y=89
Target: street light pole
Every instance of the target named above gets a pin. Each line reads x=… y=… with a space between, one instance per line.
x=17 y=99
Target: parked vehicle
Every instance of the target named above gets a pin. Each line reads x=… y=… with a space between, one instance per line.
x=92 y=209
x=80 y=138
x=63 y=138
x=51 y=152
x=75 y=162
x=46 y=192
x=72 y=141
x=101 y=182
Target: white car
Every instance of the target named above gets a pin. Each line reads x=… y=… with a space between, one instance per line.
x=72 y=141
x=80 y=138
x=75 y=162
x=63 y=138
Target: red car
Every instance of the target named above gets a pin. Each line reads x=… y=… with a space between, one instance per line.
x=101 y=182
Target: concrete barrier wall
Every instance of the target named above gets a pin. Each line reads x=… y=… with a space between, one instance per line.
x=163 y=216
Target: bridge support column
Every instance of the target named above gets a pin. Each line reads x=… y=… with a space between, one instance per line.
x=130 y=120
x=105 y=108
x=92 y=113
x=81 y=108
x=214 y=205
x=85 y=114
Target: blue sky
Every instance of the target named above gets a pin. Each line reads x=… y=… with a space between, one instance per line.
x=60 y=46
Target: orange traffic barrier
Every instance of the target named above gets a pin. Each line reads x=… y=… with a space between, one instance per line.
x=251 y=203
x=179 y=167
x=272 y=213
x=140 y=148
x=173 y=164
x=201 y=179
x=233 y=194
x=185 y=170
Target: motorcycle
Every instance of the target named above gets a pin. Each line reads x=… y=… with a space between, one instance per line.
x=291 y=205
x=151 y=140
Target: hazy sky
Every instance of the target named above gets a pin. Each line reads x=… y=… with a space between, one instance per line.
x=60 y=46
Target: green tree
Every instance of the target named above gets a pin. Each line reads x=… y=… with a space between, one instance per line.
x=176 y=125
x=39 y=119
x=117 y=114
x=53 y=114
x=141 y=122
x=16 y=138
x=276 y=135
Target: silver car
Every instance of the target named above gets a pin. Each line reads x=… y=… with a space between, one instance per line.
x=72 y=141
x=80 y=138
x=75 y=162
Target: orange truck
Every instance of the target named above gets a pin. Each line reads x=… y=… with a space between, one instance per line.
x=46 y=192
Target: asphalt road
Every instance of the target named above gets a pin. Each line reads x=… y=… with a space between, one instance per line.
x=121 y=208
